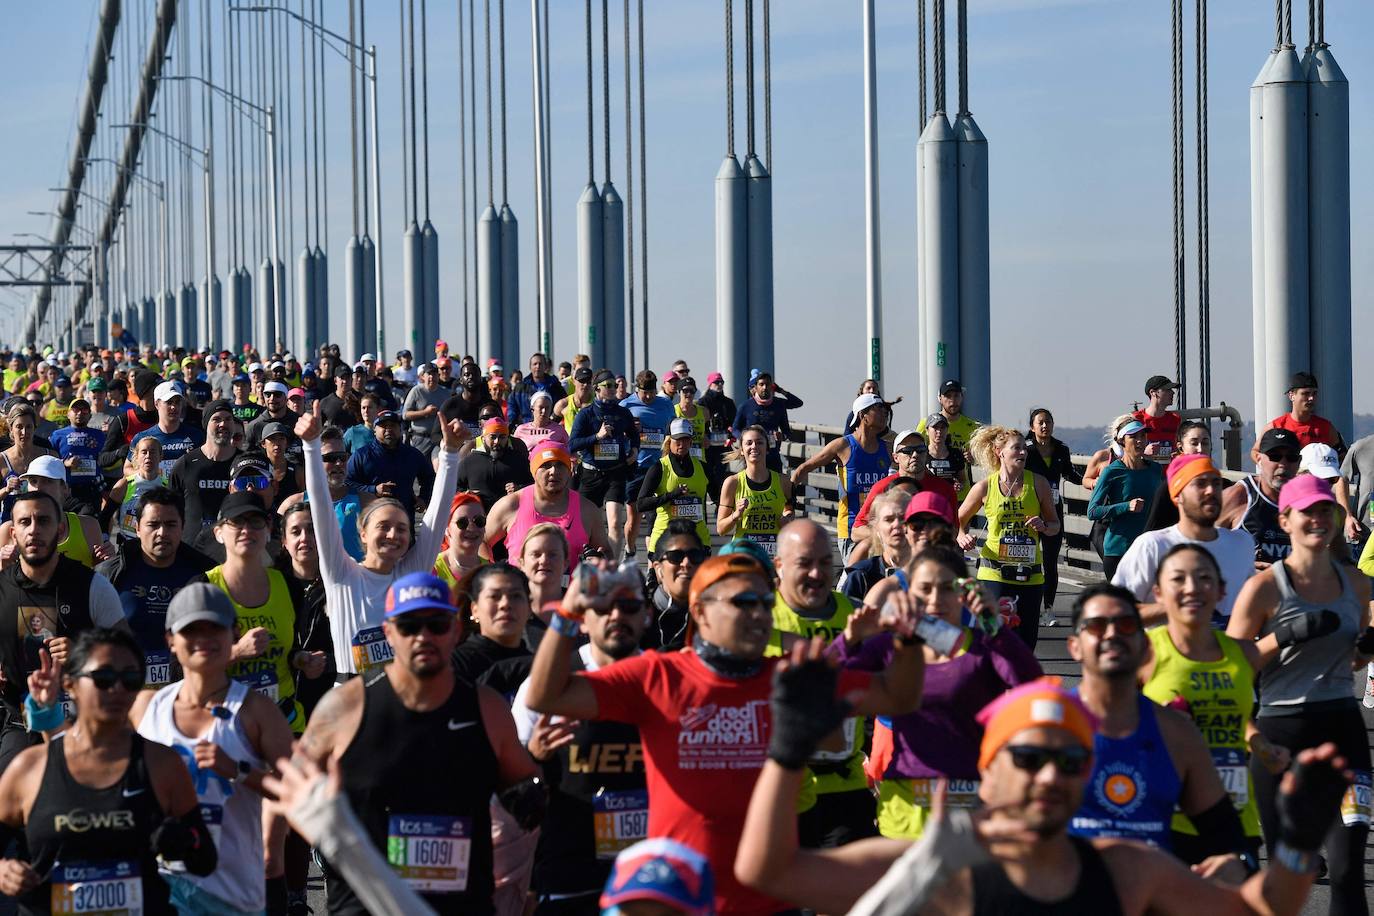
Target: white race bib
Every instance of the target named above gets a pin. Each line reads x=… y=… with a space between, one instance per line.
x=606 y=451
x=621 y=819
x=430 y=852
x=107 y=888
x=1235 y=775
x=651 y=440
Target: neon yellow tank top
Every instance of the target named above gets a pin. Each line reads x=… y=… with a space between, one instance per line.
x=1010 y=543
x=269 y=674
x=76 y=546
x=692 y=506
x=841 y=771
x=570 y=410
x=761 y=521
x=698 y=429
x=443 y=571
x=1220 y=695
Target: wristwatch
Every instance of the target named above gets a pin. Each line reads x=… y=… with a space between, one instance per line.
x=244 y=768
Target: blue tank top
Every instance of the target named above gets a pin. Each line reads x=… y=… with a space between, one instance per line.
x=1133 y=788
x=857 y=477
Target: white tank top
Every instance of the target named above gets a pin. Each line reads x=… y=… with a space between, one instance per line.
x=232 y=812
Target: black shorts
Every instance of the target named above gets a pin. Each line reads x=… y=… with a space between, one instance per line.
x=603 y=486
x=636 y=482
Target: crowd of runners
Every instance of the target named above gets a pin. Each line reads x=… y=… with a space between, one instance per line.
x=262 y=615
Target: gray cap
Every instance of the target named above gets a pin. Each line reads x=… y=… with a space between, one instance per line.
x=200 y=601
x=276 y=428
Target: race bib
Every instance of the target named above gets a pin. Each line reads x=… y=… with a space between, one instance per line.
x=769 y=542
x=606 y=451
x=1235 y=775
x=1016 y=548
x=621 y=820
x=690 y=509
x=474 y=428
x=696 y=451
x=1054 y=494
x=1358 y=803
x=264 y=682
x=961 y=793
x=159 y=668
x=1164 y=449
x=107 y=888
x=651 y=440
x=717 y=440
x=85 y=467
x=430 y=852
x=370 y=649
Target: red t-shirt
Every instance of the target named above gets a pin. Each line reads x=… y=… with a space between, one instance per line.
x=705 y=738
x=929 y=484
x=1316 y=429
x=1162 y=429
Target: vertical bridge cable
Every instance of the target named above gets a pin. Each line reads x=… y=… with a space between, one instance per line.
x=405 y=118
x=643 y=194
x=767 y=88
x=1288 y=23
x=591 y=125
x=730 y=78
x=939 y=29
x=629 y=191
x=1204 y=270
x=424 y=67
x=472 y=127
x=1180 y=359
x=606 y=83
x=491 y=191
x=1311 y=25
x=362 y=83
x=749 y=76
x=963 y=57
x=1321 y=23
x=305 y=136
x=921 y=61
x=414 y=163
x=463 y=172
x=501 y=19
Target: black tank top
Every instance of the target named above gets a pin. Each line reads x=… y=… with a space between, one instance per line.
x=421 y=783
x=91 y=846
x=1261 y=519
x=995 y=895
x=598 y=805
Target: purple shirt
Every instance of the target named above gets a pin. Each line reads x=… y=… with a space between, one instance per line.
x=942 y=737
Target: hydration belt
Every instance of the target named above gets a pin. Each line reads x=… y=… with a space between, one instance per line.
x=1016 y=572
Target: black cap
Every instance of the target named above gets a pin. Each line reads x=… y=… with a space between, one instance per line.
x=583 y=375
x=386 y=416
x=1277 y=438
x=343 y=369
x=1156 y=382
x=1302 y=380
x=604 y=376
x=240 y=504
x=145 y=382
x=950 y=386
x=250 y=463
x=215 y=407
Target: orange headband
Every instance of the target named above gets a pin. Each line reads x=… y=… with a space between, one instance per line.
x=1185 y=468
x=1042 y=703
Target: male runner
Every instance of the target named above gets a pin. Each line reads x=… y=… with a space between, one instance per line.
x=767 y=406
x=518 y=406
x=1161 y=424
x=1254 y=505
x=603 y=437
x=177 y=438
x=961 y=427
x=79 y=446
x=1302 y=419
x=201 y=475
x=421 y=409
x=652 y=413
x=421 y=753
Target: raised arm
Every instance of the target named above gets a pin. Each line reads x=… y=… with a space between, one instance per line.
x=335 y=563
x=432 y=527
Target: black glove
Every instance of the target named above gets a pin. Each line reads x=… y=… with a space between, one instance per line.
x=1306 y=626
x=1307 y=813
x=185 y=839
x=805 y=710
x=527 y=801
x=1365 y=644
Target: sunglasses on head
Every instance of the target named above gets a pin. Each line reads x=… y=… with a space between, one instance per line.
x=1125 y=625
x=746 y=600
x=106 y=678
x=436 y=625
x=333 y=457
x=697 y=555
x=1069 y=761
x=476 y=521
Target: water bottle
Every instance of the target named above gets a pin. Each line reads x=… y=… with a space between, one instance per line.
x=940 y=635
x=1369 y=686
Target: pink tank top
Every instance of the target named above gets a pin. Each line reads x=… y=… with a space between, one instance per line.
x=526 y=517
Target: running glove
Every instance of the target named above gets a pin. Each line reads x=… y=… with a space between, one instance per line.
x=805 y=709
x=527 y=801
x=186 y=839
x=1303 y=627
x=1365 y=644
x=1307 y=813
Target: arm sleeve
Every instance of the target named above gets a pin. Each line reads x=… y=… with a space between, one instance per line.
x=334 y=560
x=741 y=421
x=789 y=400
x=114 y=450
x=432 y=526
x=105 y=607
x=524 y=717
x=647 y=499
x=622 y=690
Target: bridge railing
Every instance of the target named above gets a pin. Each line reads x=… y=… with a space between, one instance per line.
x=820 y=498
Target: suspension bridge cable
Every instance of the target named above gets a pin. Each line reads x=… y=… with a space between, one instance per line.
x=629 y=189
x=353 y=105
x=405 y=121
x=591 y=127
x=939 y=24
x=730 y=78
x=424 y=68
x=767 y=88
x=606 y=83
x=1180 y=364
x=501 y=35
x=1204 y=275
x=643 y=195
x=463 y=169
x=749 y=77
x=491 y=192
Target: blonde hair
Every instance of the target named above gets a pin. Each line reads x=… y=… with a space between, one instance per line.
x=549 y=528
x=891 y=497
x=987 y=442
x=1114 y=428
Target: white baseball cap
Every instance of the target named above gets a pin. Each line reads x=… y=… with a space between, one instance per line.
x=1320 y=460
x=254 y=367
x=865 y=401
x=166 y=391
x=47 y=466
x=905 y=435
x=276 y=388
x=367 y=358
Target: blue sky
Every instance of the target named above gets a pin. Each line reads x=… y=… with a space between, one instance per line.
x=1073 y=95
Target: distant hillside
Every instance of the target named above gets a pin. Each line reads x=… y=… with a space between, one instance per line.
x=1084 y=440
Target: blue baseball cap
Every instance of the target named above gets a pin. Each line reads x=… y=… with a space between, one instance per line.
x=662 y=870
x=242 y=378
x=418 y=591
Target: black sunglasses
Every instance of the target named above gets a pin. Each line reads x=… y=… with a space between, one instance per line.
x=476 y=521
x=1285 y=456
x=335 y=456
x=697 y=555
x=106 y=678
x=1125 y=625
x=746 y=600
x=437 y=625
x=922 y=522
x=913 y=450
x=1069 y=761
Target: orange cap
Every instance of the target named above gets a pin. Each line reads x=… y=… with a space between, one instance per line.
x=546 y=451
x=719 y=567
x=1042 y=703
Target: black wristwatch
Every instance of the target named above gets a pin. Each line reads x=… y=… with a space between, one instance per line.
x=1248 y=859
x=245 y=768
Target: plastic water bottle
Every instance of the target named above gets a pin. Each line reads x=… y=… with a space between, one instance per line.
x=1369 y=686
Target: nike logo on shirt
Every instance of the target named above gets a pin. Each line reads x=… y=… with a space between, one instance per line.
x=130 y=793
x=457 y=726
